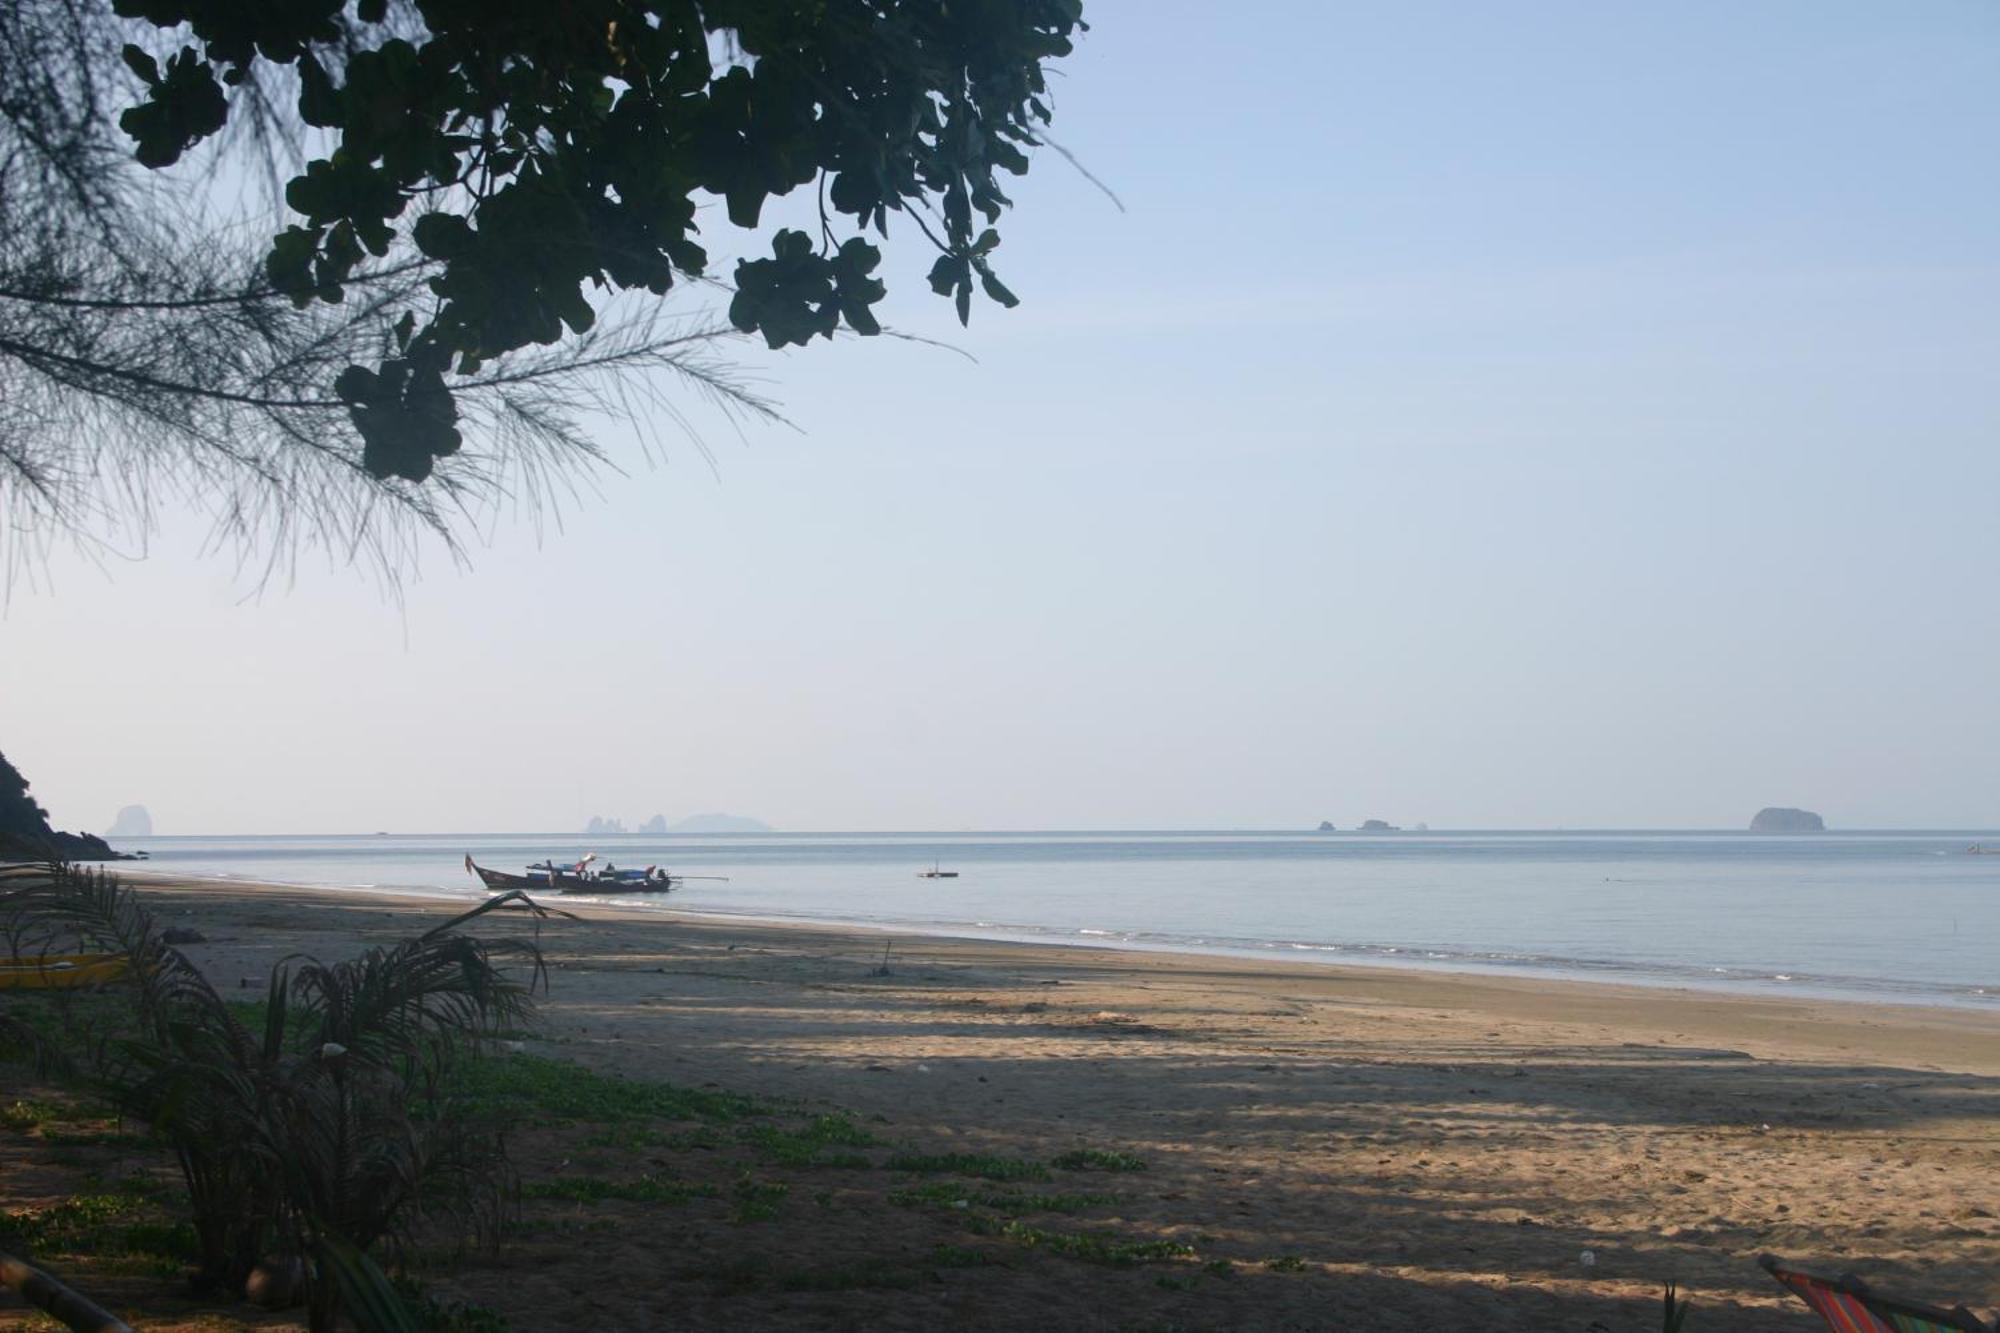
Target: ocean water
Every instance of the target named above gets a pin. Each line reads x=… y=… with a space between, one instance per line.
x=1911 y=917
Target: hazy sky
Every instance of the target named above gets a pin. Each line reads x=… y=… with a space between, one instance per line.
x=1528 y=415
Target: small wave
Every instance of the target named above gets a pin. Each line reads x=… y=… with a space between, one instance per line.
x=1106 y=933
x=1781 y=976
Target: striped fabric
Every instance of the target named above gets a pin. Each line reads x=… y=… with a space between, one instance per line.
x=1849 y=1306
x=1904 y=1321
x=1842 y=1311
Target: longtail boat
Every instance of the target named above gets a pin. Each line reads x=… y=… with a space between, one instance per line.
x=580 y=877
x=62 y=971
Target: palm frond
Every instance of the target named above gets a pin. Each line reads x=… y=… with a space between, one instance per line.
x=330 y=1127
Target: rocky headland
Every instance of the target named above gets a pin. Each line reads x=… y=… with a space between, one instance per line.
x=25 y=831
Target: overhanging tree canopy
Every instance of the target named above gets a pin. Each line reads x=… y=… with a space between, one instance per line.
x=471 y=183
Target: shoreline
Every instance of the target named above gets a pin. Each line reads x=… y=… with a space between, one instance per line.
x=1419 y=1149
x=1583 y=972
x=1512 y=993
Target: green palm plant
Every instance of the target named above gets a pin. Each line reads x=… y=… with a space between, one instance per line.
x=324 y=1127
x=1674 y=1311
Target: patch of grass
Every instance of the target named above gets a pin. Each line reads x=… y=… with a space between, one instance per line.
x=862 y=1275
x=57 y=1019
x=1009 y=1203
x=1099 y=1159
x=89 y=1138
x=63 y=1226
x=734 y=1277
x=1218 y=1268
x=102 y=1225
x=137 y=1186
x=1177 y=1281
x=804 y=1147
x=1094 y=1247
x=168 y=1240
x=624 y=1138
x=537 y=1090
x=596 y=1189
x=758 y=1200
x=978 y=1166
x=562 y=1226
x=436 y=1316
x=959 y=1256
x=25 y=1115
x=1286 y=1263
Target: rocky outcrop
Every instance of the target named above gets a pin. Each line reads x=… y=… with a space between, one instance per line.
x=1326 y=826
x=600 y=825
x=25 y=834
x=1784 y=819
x=1378 y=826
x=657 y=824
x=134 y=821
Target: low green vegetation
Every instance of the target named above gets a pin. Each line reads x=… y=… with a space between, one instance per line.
x=758 y=1200
x=1008 y=1203
x=27 y=1116
x=1286 y=1263
x=960 y=1256
x=597 y=1189
x=806 y=1147
x=533 y=1089
x=1098 y=1159
x=968 y=1164
x=436 y=1316
x=1094 y=1247
x=860 y=1275
x=119 y=1225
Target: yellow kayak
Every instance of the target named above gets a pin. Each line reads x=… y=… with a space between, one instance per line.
x=62 y=971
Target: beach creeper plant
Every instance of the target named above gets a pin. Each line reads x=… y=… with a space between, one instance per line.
x=322 y=1126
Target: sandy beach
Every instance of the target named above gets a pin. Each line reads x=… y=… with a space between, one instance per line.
x=1336 y=1147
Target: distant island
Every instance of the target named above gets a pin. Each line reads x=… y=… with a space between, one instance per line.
x=703 y=823
x=1378 y=826
x=134 y=821
x=721 y=823
x=1784 y=819
x=1326 y=826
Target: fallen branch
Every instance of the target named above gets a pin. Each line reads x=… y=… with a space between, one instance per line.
x=38 y=1288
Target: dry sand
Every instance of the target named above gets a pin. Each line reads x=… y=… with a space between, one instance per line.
x=1439 y=1150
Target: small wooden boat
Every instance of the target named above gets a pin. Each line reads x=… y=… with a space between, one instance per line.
x=62 y=971
x=578 y=877
x=935 y=873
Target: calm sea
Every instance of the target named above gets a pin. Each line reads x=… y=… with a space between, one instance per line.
x=1895 y=915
